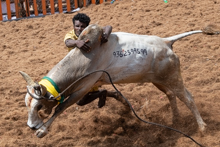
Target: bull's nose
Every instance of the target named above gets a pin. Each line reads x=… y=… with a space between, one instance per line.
x=33 y=128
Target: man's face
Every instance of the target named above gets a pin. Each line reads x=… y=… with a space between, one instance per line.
x=79 y=27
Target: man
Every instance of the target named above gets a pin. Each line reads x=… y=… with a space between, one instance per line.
x=80 y=22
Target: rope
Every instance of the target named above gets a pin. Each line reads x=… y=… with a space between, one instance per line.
x=130 y=105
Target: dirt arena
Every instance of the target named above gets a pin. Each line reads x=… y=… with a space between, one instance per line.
x=36 y=45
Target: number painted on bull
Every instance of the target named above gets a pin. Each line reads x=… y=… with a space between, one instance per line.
x=124 y=53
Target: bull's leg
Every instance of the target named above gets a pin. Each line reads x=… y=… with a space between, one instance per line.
x=43 y=130
x=186 y=97
x=172 y=98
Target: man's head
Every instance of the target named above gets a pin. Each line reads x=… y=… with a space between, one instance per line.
x=80 y=22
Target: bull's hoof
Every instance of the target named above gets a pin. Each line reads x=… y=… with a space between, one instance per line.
x=40 y=133
x=202 y=127
x=211 y=29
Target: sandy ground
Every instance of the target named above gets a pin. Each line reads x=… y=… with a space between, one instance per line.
x=36 y=45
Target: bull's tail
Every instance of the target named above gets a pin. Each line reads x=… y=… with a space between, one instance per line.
x=209 y=30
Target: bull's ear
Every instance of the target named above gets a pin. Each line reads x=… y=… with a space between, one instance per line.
x=27 y=78
x=43 y=90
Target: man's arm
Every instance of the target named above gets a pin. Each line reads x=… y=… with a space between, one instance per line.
x=106 y=32
x=78 y=43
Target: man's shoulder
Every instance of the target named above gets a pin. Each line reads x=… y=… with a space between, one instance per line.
x=71 y=32
x=71 y=35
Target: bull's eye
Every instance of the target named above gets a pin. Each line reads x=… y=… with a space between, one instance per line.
x=39 y=107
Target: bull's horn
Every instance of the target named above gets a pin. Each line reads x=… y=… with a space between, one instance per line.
x=27 y=78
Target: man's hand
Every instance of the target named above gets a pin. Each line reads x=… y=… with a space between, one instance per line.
x=81 y=44
x=106 y=32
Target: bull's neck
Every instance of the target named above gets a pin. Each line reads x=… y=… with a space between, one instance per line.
x=73 y=66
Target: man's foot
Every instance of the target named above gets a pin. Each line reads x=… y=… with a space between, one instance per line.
x=117 y=96
x=102 y=98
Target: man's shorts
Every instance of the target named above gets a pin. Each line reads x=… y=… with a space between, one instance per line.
x=96 y=88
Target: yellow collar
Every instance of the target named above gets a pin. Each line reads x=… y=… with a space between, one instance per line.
x=52 y=88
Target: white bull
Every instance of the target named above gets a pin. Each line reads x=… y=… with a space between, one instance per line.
x=128 y=58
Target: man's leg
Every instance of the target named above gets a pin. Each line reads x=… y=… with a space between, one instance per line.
x=91 y=96
x=117 y=96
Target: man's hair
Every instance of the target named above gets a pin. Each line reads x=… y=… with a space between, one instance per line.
x=82 y=18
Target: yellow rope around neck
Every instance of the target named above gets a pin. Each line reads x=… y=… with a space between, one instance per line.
x=50 y=88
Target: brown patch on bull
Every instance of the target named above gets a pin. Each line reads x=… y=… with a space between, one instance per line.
x=100 y=38
x=44 y=113
x=93 y=33
x=29 y=101
x=30 y=98
x=84 y=33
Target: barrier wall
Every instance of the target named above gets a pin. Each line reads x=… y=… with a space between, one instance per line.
x=16 y=9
